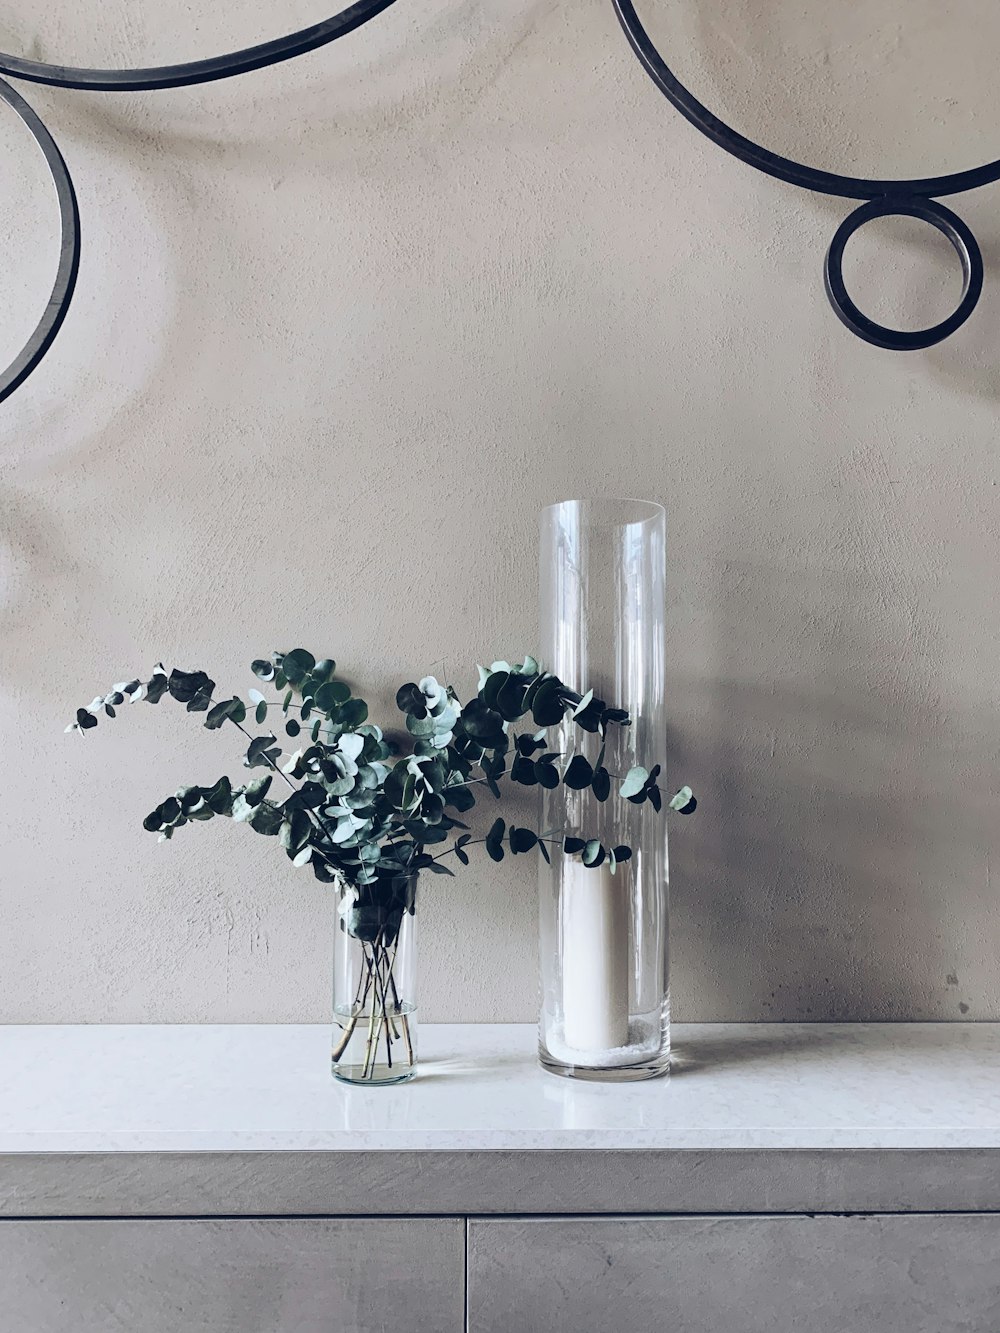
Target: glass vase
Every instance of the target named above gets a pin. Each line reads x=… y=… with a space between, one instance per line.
x=603 y=932
x=374 y=982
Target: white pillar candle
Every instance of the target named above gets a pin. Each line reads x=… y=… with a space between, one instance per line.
x=594 y=957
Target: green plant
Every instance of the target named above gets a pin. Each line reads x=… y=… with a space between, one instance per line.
x=369 y=818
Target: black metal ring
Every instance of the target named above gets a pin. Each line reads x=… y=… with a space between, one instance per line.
x=69 y=249
x=938 y=216
x=784 y=168
x=196 y=71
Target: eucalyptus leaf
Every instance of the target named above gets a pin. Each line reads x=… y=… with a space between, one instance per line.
x=590 y=717
x=220 y=797
x=257 y=750
x=529 y=745
x=192 y=688
x=353 y=713
x=296 y=665
x=156 y=686
x=547 y=707
x=229 y=709
x=584 y=704
x=593 y=853
x=684 y=802
x=242 y=810
x=460 y=798
x=410 y=700
x=266 y=819
x=300 y=829
x=601 y=784
x=323 y=871
x=331 y=695
x=310 y=796
x=634 y=781
x=494 y=839
x=522 y=840
x=254 y=792
x=579 y=774
x=482 y=723
x=509 y=700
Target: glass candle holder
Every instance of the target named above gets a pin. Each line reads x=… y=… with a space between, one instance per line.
x=603 y=931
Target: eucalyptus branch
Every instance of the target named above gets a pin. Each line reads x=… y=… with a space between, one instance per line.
x=365 y=815
x=315 y=817
x=270 y=763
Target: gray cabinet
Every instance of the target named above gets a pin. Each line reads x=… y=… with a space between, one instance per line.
x=918 y=1273
x=357 y=1275
x=901 y=1273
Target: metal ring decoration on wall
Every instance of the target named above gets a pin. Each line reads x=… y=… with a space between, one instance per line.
x=909 y=198
x=938 y=216
x=69 y=249
x=196 y=71
x=136 y=80
x=913 y=198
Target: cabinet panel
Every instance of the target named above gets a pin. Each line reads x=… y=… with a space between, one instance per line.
x=917 y=1273
x=232 y=1276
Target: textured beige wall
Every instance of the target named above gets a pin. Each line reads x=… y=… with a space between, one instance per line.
x=344 y=326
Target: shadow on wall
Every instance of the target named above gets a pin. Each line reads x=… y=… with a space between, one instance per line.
x=975 y=370
x=839 y=865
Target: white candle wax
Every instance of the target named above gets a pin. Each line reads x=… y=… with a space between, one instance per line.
x=594 y=957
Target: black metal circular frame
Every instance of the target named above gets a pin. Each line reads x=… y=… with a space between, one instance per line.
x=196 y=71
x=134 y=80
x=69 y=249
x=938 y=216
x=912 y=198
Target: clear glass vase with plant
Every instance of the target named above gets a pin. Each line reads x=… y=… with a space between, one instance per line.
x=370 y=816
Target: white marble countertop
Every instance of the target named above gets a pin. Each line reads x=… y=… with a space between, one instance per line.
x=268 y=1088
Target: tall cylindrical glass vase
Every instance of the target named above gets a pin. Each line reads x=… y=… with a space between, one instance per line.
x=605 y=1003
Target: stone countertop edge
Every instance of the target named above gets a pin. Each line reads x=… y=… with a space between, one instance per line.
x=246 y=1120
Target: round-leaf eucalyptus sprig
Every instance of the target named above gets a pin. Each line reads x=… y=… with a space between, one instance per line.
x=371 y=819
